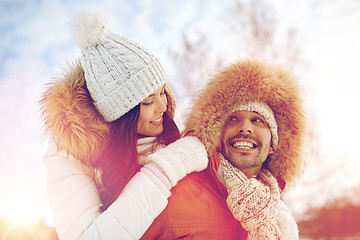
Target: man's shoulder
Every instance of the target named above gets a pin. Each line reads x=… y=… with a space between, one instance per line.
x=196 y=207
x=195 y=181
x=197 y=192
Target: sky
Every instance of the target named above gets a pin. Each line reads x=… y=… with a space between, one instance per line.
x=36 y=44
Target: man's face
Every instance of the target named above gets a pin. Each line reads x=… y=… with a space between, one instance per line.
x=246 y=140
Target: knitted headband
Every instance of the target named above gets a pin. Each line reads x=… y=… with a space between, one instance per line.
x=119 y=73
x=264 y=110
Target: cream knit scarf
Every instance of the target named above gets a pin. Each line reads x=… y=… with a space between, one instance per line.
x=253 y=201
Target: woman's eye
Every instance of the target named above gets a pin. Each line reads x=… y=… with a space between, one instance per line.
x=147 y=103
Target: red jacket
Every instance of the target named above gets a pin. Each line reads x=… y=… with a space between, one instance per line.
x=197 y=209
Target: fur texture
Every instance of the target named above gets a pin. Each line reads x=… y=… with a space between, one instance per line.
x=71 y=119
x=89 y=27
x=254 y=80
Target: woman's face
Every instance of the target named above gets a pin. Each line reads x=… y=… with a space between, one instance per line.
x=150 y=121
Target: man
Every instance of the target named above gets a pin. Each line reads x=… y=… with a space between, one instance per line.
x=251 y=120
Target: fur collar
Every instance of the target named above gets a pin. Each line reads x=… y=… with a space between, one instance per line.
x=71 y=118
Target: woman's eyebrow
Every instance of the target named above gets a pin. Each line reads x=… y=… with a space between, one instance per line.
x=151 y=95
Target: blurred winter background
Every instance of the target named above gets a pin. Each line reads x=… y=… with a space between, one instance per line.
x=318 y=40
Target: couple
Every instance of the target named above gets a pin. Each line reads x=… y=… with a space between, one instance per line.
x=116 y=163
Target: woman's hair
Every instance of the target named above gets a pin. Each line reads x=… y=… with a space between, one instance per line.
x=118 y=162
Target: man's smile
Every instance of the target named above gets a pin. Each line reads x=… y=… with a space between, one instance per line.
x=243 y=144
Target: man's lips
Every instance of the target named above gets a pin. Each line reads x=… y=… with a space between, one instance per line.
x=243 y=144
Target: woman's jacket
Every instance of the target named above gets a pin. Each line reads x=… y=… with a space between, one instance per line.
x=78 y=135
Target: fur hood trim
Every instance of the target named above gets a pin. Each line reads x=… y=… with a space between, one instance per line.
x=71 y=119
x=254 y=80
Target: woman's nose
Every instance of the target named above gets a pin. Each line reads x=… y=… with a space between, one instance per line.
x=161 y=105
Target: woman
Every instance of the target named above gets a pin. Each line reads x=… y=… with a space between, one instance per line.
x=105 y=116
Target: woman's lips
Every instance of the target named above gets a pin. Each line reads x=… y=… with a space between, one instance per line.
x=157 y=121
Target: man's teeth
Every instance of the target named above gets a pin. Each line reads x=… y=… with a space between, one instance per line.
x=243 y=145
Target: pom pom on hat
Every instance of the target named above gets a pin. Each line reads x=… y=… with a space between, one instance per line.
x=89 y=27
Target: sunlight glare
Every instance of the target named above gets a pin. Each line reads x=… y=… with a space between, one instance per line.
x=21 y=212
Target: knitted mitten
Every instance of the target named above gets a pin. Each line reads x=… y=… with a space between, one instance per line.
x=179 y=158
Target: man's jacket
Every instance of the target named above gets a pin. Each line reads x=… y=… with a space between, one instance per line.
x=197 y=210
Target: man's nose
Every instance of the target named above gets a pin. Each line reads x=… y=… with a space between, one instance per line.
x=245 y=126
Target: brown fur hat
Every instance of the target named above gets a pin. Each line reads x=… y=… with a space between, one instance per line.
x=254 y=80
x=71 y=118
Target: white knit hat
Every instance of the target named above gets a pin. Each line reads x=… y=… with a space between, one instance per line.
x=264 y=110
x=119 y=73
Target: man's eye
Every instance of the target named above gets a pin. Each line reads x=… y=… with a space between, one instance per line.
x=258 y=120
x=231 y=118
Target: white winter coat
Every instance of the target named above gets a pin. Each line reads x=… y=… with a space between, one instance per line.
x=75 y=202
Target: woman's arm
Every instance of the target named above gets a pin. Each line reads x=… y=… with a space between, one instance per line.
x=75 y=201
